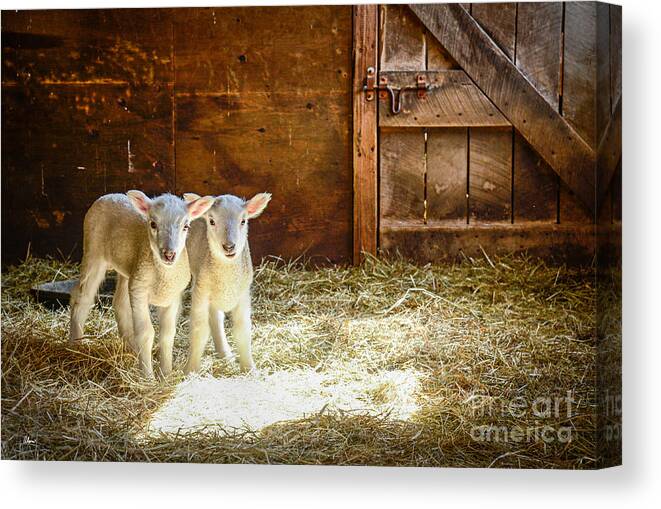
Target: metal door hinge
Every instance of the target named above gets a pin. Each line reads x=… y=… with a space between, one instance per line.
x=395 y=94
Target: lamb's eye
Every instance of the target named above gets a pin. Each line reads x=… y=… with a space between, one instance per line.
x=153 y=225
x=186 y=227
x=243 y=222
x=212 y=222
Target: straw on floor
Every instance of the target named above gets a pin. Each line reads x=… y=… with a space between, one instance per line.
x=386 y=364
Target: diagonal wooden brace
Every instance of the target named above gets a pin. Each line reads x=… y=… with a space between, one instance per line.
x=500 y=80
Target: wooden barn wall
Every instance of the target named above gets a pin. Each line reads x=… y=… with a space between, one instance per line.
x=455 y=176
x=215 y=101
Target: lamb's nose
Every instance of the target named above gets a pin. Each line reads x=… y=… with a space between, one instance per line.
x=229 y=247
x=169 y=255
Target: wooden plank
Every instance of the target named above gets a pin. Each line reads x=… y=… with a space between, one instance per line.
x=535 y=185
x=616 y=53
x=581 y=103
x=586 y=90
x=616 y=195
x=539 y=57
x=262 y=49
x=579 y=71
x=610 y=150
x=453 y=100
x=301 y=155
x=402 y=174
x=491 y=151
x=87 y=109
x=603 y=90
x=277 y=120
x=447 y=167
x=452 y=240
x=539 y=47
x=365 y=222
x=402 y=45
x=560 y=146
x=605 y=209
x=499 y=21
x=571 y=210
x=91 y=46
x=490 y=174
x=437 y=57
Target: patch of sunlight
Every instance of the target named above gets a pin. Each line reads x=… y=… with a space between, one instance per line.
x=204 y=403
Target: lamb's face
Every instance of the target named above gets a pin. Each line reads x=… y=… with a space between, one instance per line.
x=227 y=226
x=227 y=223
x=168 y=221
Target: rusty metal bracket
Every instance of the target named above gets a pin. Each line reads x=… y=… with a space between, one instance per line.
x=395 y=94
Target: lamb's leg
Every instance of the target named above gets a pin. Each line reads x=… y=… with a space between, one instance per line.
x=242 y=330
x=92 y=273
x=199 y=331
x=123 y=314
x=143 y=330
x=217 y=325
x=167 y=317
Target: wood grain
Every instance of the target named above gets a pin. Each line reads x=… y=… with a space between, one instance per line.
x=452 y=241
x=365 y=221
x=402 y=40
x=453 y=100
x=437 y=56
x=603 y=90
x=616 y=53
x=490 y=175
x=580 y=69
x=447 y=151
x=92 y=46
x=610 y=150
x=499 y=21
x=491 y=151
x=266 y=49
x=604 y=215
x=539 y=47
x=269 y=109
x=560 y=146
x=539 y=57
x=261 y=101
x=87 y=109
x=402 y=174
x=571 y=210
x=616 y=194
x=586 y=92
x=302 y=157
x=535 y=185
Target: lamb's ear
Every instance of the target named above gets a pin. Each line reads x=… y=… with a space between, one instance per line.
x=199 y=206
x=256 y=205
x=140 y=201
x=189 y=197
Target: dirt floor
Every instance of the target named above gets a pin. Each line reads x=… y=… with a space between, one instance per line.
x=488 y=362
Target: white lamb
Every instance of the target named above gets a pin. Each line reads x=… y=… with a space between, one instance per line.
x=144 y=240
x=222 y=273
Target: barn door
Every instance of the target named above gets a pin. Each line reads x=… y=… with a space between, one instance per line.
x=518 y=125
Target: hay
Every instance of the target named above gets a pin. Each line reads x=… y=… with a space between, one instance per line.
x=386 y=364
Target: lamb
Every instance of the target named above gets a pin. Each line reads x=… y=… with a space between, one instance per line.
x=222 y=273
x=144 y=240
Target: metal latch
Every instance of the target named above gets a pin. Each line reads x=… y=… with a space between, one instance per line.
x=395 y=94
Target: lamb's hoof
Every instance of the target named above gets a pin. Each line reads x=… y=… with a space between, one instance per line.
x=163 y=375
x=227 y=357
x=76 y=338
x=189 y=370
x=250 y=370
